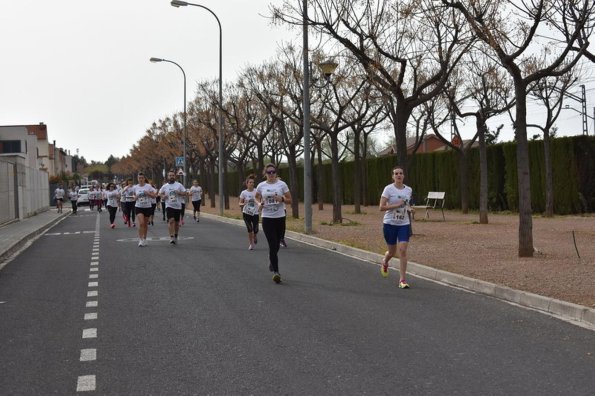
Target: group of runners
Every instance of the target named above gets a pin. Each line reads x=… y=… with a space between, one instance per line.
x=267 y=200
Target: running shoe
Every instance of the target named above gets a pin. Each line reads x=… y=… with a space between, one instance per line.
x=144 y=242
x=140 y=243
x=403 y=284
x=276 y=277
x=113 y=225
x=282 y=243
x=134 y=224
x=182 y=222
x=251 y=247
x=172 y=240
x=384 y=269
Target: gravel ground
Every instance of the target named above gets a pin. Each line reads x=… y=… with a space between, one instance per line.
x=483 y=251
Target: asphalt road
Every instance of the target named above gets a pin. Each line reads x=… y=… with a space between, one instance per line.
x=204 y=317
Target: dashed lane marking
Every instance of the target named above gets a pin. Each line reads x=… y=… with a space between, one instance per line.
x=92 y=304
x=88 y=355
x=85 y=383
x=91 y=316
x=93 y=293
x=90 y=333
x=160 y=239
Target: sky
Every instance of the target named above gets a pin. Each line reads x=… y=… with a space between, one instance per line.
x=83 y=68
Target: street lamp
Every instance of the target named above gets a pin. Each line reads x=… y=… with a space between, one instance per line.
x=156 y=60
x=327 y=70
x=178 y=3
x=585 y=130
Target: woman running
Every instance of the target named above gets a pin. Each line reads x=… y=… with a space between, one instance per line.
x=272 y=194
x=113 y=197
x=196 y=198
x=394 y=201
x=250 y=210
x=143 y=192
x=128 y=200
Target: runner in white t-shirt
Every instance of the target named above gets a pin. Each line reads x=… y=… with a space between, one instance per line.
x=250 y=208
x=143 y=192
x=73 y=195
x=113 y=199
x=196 y=198
x=59 y=197
x=173 y=193
x=394 y=201
x=272 y=194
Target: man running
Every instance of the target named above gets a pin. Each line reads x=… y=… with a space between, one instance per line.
x=172 y=193
x=74 y=197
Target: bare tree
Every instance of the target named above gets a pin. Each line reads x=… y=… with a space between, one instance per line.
x=510 y=29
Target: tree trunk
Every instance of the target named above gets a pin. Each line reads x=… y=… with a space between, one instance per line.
x=402 y=117
x=483 y=172
x=524 y=177
x=212 y=183
x=357 y=175
x=549 y=178
x=464 y=180
x=336 y=179
x=319 y=178
x=293 y=183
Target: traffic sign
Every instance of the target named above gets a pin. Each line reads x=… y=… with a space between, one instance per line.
x=179 y=161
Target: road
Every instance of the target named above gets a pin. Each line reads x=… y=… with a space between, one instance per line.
x=83 y=309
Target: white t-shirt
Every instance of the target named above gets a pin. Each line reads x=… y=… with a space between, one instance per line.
x=268 y=191
x=250 y=207
x=173 y=200
x=59 y=193
x=112 y=198
x=196 y=192
x=73 y=195
x=143 y=199
x=397 y=216
x=128 y=194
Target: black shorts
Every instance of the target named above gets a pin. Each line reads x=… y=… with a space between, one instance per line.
x=173 y=214
x=196 y=205
x=144 y=211
x=59 y=199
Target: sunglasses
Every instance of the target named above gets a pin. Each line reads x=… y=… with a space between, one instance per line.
x=271 y=172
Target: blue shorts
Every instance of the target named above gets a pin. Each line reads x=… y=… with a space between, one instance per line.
x=394 y=233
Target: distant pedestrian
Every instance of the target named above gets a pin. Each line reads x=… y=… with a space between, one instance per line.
x=59 y=197
x=173 y=194
x=196 y=198
x=128 y=201
x=73 y=195
x=249 y=210
x=394 y=201
x=113 y=198
x=272 y=194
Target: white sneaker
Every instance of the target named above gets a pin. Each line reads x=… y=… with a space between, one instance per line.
x=251 y=247
x=140 y=243
x=144 y=242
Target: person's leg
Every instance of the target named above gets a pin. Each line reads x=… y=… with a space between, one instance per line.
x=141 y=228
x=74 y=207
x=112 y=215
x=248 y=222
x=163 y=209
x=269 y=226
x=403 y=261
x=133 y=214
x=255 y=220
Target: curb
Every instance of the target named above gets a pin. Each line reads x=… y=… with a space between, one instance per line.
x=573 y=313
x=28 y=238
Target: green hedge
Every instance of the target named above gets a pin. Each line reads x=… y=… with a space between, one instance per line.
x=573 y=161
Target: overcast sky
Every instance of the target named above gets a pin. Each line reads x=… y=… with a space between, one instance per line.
x=82 y=67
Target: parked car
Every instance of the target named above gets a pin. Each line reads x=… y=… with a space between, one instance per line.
x=83 y=197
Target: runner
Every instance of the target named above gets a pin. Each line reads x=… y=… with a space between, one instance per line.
x=271 y=194
x=172 y=193
x=59 y=197
x=74 y=196
x=153 y=203
x=396 y=224
x=250 y=210
x=99 y=198
x=113 y=197
x=196 y=193
x=128 y=200
x=143 y=192
x=91 y=196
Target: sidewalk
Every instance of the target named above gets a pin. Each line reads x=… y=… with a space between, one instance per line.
x=17 y=235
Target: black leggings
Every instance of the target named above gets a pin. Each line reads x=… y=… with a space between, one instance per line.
x=251 y=222
x=112 y=213
x=129 y=211
x=273 y=229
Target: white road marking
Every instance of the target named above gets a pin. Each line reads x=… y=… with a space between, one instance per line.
x=93 y=276
x=85 y=383
x=92 y=304
x=88 y=232
x=166 y=239
x=95 y=269
x=91 y=316
x=92 y=293
x=89 y=333
x=93 y=284
x=88 y=355
x=94 y=262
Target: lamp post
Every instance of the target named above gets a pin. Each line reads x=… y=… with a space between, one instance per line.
x=156 y=60
x=179 y=3
x=327 y=68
